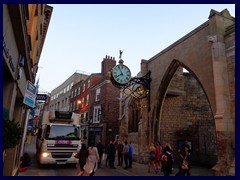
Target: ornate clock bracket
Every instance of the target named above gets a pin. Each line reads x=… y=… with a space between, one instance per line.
x=137 y=87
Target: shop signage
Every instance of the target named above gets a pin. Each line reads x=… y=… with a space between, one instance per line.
x=6 y=52
x=41 y=97
x=30 y=94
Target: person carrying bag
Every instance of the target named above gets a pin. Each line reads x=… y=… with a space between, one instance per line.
x=82 y=156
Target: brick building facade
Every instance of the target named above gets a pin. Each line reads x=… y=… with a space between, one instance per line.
x=104 y=109
x=25 y=28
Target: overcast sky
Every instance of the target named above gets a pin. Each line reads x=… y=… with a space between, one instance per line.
x=80 y=35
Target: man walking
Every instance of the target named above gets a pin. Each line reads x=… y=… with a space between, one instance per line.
x=125 y=154
x=130 y=154
x=100 y=148
x=120 y=153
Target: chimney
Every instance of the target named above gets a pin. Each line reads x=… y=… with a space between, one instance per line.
x=107 y=64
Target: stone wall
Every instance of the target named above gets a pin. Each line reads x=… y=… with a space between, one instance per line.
x=187 y=116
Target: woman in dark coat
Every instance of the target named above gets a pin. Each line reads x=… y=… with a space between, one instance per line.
x=185 y=155
x=83 y=155
x=166 y=161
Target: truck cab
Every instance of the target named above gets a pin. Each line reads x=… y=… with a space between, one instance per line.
x=59 y=140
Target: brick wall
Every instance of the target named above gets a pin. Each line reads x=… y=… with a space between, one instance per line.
x=187 y=116
x=110 y=109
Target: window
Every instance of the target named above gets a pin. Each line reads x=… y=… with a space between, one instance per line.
x=41 y=9
x=36 y=11
x=79 y=89
x=66 y=100
x=68 y=88
x=133 y=118
x=83 y=102
x=86 y=117
x=97 y=95
x=97 y=114
x=75 y=92
x=84 y=87
x=64 y=91
x=88 y=86
x=87 y=101
x=72 y=94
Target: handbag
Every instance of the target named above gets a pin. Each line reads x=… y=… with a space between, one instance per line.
x=77 y=155
x=184 y=164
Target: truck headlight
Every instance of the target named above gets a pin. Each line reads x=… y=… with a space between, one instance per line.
x=45 y=154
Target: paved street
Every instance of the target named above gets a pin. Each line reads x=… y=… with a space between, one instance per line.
x=72 y=170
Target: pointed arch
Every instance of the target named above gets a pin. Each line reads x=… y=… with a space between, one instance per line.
x=161 y=93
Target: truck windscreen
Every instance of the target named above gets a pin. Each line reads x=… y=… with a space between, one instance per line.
x=62 y=132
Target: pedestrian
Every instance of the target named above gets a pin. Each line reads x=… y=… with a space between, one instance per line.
x=83 y=155
x=152 y=156
x=158 y=150
x=166 y=161
x=100 y=148
x=180 y=151
x=120 y=153
x=112 y=152
x=130 y=154
x=25 y=161
x=171 y=151
x=184 y=160
x=107 y=152
x=93 y=157
x=125 y=154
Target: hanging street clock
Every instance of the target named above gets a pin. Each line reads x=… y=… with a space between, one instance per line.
x=121 y=74
x=137 y=87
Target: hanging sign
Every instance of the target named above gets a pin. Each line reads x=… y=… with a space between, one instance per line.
x=41 y=97
x=30 y=94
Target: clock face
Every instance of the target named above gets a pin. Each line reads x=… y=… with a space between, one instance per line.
x=121 y=74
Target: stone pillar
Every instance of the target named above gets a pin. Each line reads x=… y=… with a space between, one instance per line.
x=143 y=137
x=223 y=119
x=144 y=67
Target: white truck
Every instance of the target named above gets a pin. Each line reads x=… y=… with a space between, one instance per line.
x=59 y=139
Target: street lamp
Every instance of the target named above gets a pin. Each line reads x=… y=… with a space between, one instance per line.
x=79 y=102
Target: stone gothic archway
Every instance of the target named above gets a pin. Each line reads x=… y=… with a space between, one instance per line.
x=209 y=52
x=184 y=114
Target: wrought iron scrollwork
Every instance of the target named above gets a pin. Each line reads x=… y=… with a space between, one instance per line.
x=137 y=87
